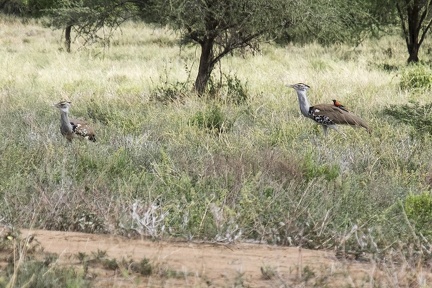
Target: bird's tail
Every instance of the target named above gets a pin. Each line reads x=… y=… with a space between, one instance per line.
x=357 y=121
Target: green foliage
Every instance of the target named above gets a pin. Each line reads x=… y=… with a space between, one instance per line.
x=41 y=274
x=89 y=17
x=416 y=76
x=332 y=22
x=418 y=209
x=168 y=93
x=414 y=114
x=38 y=7
x=313 y=170
x=110 y=264
x=230 y=89
x=14 y=7
x=142 y=267
x=212 y=120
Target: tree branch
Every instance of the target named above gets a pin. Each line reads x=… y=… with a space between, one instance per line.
x=404 y=28
x=425 y=13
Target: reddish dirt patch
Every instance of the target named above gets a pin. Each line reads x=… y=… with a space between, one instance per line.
x=207 y=265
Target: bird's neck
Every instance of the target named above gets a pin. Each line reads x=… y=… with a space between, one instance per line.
x=65 y=122
x=303 y=102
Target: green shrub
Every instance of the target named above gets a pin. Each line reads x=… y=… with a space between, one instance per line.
x=143 y=267
x=416 y=77
x=229 y=88
x=41 y=274
x=213 y=120
x=170 y=92
x=419 y=211
x=313 y=169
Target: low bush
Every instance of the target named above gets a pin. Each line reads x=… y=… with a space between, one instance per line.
x=418 y=208
x=211 y=120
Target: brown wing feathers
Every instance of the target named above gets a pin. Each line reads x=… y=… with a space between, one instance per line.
x=339 y=116
x=81 y=128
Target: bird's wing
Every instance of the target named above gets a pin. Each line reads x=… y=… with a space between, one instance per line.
x=82 y=129
x=338 y=116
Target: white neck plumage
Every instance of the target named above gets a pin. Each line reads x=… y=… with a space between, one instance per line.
x=303 y=102
x=65 y=121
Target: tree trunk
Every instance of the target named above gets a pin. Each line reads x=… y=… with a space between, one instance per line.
x=414 y=26
x=205 y=66
x=413 y=53
x=68 y=38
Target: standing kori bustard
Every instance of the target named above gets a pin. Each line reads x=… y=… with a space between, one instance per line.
x=71 y=128
x=327 y=115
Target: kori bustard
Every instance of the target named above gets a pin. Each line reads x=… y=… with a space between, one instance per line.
x=72 y=128
x=327 y=115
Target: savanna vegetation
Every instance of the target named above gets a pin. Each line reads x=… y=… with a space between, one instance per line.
x=235 y=163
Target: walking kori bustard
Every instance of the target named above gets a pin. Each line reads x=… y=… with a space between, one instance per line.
x=327 y=115
x=73 y=128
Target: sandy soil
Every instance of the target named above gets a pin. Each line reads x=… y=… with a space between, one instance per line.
x=181 y=264
x=186 y=264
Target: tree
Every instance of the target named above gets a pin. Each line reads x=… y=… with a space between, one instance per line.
x=87 y=17
x=413 y=16
x=219 y=27
x=416 y=19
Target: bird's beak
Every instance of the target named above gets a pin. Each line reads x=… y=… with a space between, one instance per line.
x=290 y=85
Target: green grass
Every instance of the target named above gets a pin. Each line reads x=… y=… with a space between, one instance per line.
x=269 y=175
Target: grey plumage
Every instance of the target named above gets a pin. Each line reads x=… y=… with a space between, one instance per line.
x=71 y=128
x=327 y=115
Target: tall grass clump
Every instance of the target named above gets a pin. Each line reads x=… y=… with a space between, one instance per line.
x=414 y=114
x=418 y=76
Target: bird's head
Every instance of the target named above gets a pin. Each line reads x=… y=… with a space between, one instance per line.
x=299 y=86
x=63 y=105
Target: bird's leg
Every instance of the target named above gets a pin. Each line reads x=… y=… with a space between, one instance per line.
x=337 y=130
x=325 y=130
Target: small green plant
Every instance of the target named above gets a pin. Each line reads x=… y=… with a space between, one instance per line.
x=416 y=77
x=229 y=88
x=41 y=274
x=268 y=272
x=81 y=256
x=171 y=273
x=239 y=280
x=170 y=92
x=99 y=254
x=110 y=264
x=236 y=92
x=418 y=208
x=212 y=120
x=313 y=169
x=143 y=267
x=307 y=274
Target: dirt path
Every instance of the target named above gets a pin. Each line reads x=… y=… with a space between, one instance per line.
x=179 y=264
